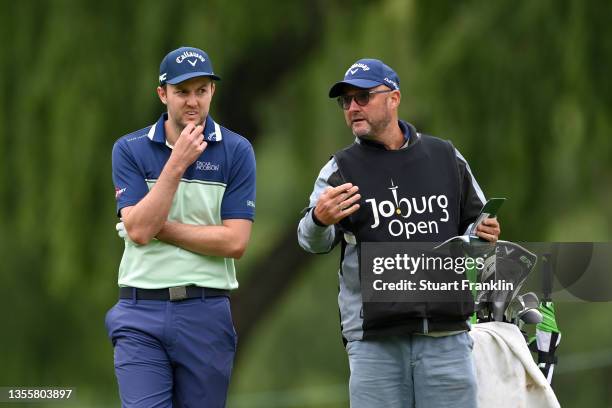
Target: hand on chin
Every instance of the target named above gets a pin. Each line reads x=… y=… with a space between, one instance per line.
x=196 y=120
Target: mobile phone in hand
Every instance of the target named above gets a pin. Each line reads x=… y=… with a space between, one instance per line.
x=489 y=210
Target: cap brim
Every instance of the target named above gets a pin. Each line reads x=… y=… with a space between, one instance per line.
x=190 y=75
x=336 y=90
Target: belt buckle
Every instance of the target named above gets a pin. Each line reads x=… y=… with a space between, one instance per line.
x=178 y=293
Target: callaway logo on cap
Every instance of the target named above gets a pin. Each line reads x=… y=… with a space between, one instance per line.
x=185 y=63
x=366 y=73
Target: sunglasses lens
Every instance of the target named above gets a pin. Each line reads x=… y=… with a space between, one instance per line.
x=362 y=99
x=344 y=101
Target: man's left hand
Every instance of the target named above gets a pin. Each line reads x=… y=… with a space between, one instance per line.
x=489 y=229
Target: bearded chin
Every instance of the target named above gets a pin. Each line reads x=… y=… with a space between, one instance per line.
x=373 y=129
x=179 y=124
x=364 y=133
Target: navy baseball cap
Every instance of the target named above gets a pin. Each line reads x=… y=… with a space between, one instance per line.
x=367 y=73
x=185 y=63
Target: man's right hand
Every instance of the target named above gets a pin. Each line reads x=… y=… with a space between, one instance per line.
x=337 y=203
x=188 y=147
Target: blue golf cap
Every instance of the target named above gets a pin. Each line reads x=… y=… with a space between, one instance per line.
x=185 y=63
x=367 y=73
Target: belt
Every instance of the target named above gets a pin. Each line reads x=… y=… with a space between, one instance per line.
x=173 y=294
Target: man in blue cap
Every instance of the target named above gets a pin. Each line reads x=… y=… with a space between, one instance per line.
x=394 y=184
x=185 y=192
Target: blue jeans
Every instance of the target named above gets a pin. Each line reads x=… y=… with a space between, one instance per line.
x=413 y=371
x=172 y=354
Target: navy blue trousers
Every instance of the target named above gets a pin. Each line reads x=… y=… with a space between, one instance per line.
x=172 y=354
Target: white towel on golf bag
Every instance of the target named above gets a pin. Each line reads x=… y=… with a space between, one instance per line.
x=506 y=374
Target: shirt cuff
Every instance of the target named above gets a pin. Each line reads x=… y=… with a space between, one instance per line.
x=315 y=219
x=313 y=227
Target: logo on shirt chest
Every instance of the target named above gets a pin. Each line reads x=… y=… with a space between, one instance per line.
x=206 y=166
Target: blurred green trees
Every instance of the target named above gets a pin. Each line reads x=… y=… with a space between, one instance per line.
x=521 y=88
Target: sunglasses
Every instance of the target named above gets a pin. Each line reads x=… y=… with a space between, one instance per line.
x=361 y=98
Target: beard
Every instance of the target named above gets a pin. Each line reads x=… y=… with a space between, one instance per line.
x=372 y=128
